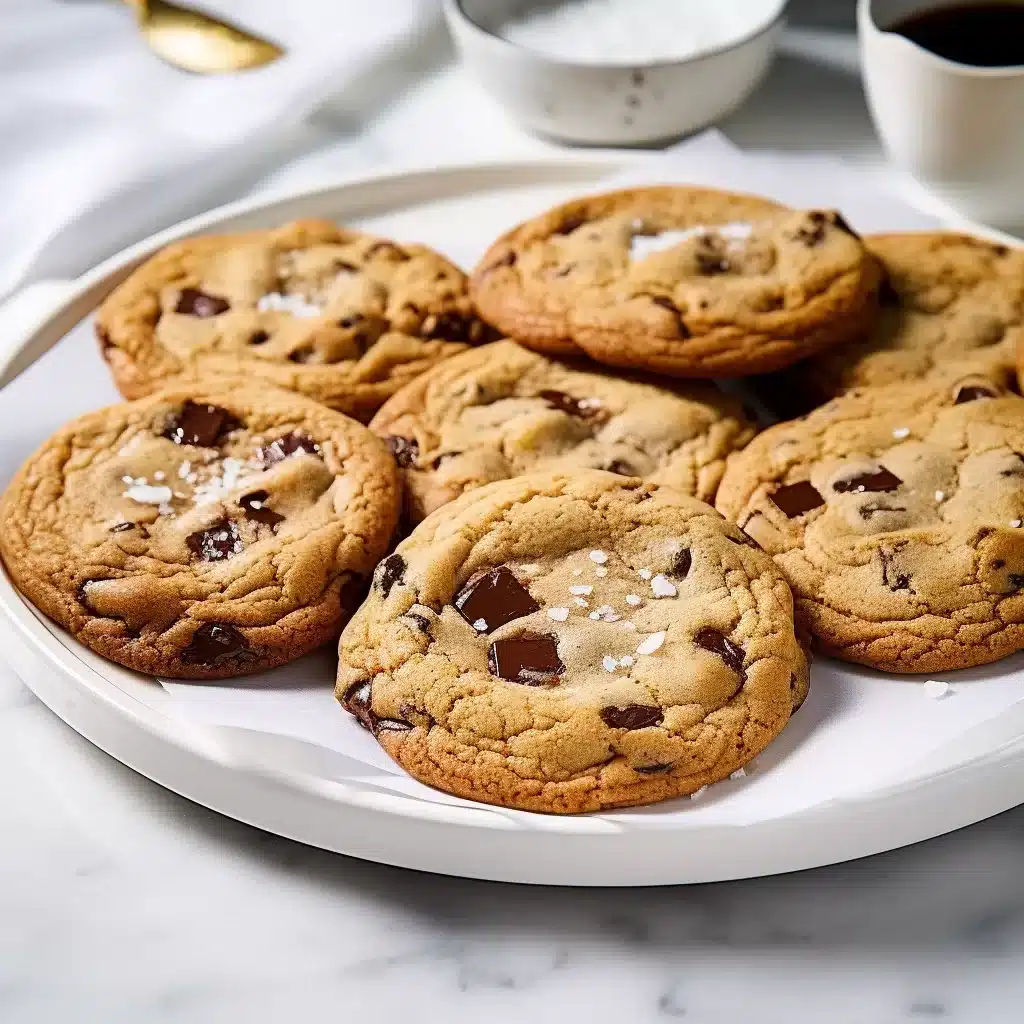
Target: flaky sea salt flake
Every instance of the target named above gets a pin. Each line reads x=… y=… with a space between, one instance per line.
x=609 y=663
x=937 y=689
x=634 y=599
x=663 y=587
x=558 y=614
x=480 y=625
x=581 y=588
x=651 y=643
x=598 y=556
x=901 y=432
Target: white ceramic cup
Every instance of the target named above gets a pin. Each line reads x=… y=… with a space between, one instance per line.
x=957 y=128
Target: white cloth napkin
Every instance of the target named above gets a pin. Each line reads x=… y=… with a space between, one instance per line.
x=101 y=143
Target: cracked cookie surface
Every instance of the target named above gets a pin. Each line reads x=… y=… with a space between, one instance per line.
x=203 y=532
x=684 y=281
x=568 y=643
x=341 y=316
x=896 y=515
x=500 y=410
x=951 y=303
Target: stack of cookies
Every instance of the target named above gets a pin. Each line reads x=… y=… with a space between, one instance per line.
x=539 y=604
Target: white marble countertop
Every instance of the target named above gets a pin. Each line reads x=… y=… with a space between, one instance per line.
x=121 y=903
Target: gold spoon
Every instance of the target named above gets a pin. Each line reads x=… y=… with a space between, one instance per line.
x=193 y=41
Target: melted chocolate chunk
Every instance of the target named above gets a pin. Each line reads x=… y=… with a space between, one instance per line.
x=667 y=303
x=633 y=716
x=220 y=541
x=212 y=643
x=121 y=527
x=200 y=424
x=193 y=302
x=454 y=327
x=718 y=643
x=259 y=338
x=389 y=572
x=279 y=450
x=496 y=597
x=887 y=294
x=531 y=659
x=972 y=392
x=681 y=563
x=797 y=499
x=405 y=450
x=357 y=702
x=582 y=408
x=255 y=507
x=892 y=579
x=569 y=224
x=882 y=480
x=421 y=622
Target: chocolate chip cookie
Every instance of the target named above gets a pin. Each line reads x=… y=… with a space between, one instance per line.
x=201 y=533
x=500 y=410
x=685 y=281
x=896 y=514
x=338 y=315
x=951 y=304
x=572 y=642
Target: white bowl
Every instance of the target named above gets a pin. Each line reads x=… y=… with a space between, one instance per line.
x=611 y=104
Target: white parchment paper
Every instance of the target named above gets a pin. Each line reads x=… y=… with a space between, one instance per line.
x=858 y=730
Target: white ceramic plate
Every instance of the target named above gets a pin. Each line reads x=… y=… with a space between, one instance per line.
x=293 y=788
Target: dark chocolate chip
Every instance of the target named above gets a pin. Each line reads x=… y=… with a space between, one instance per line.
x=583 y=408
x=121 y=527
x=972 y=392
x=255 y=507
x=998 y=563
x=1016 y=581
x=508 y=260
x=357 y=702
x=882 y=480
x=259 y=338
x=893 y=580
x=193 y=302
x=453 y=327
x=200 y=424
x=667 y=303
x=215 y=544
x=570 y=224
x=681 y=563
x=406 y=450
x=718 y=643
x=797 y=499
x=496 y=597
x=531 y=659
x=633 y=716
x=279 y=450
x=390 y=572
x=212 y=643
x=867 y=511
x=887 y=294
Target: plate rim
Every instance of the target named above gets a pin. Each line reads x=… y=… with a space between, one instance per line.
x=42 y=641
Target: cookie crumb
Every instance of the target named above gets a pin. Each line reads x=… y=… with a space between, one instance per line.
x=937 y=689
x=558 y=614
x=651 y=643
x=662 y=587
